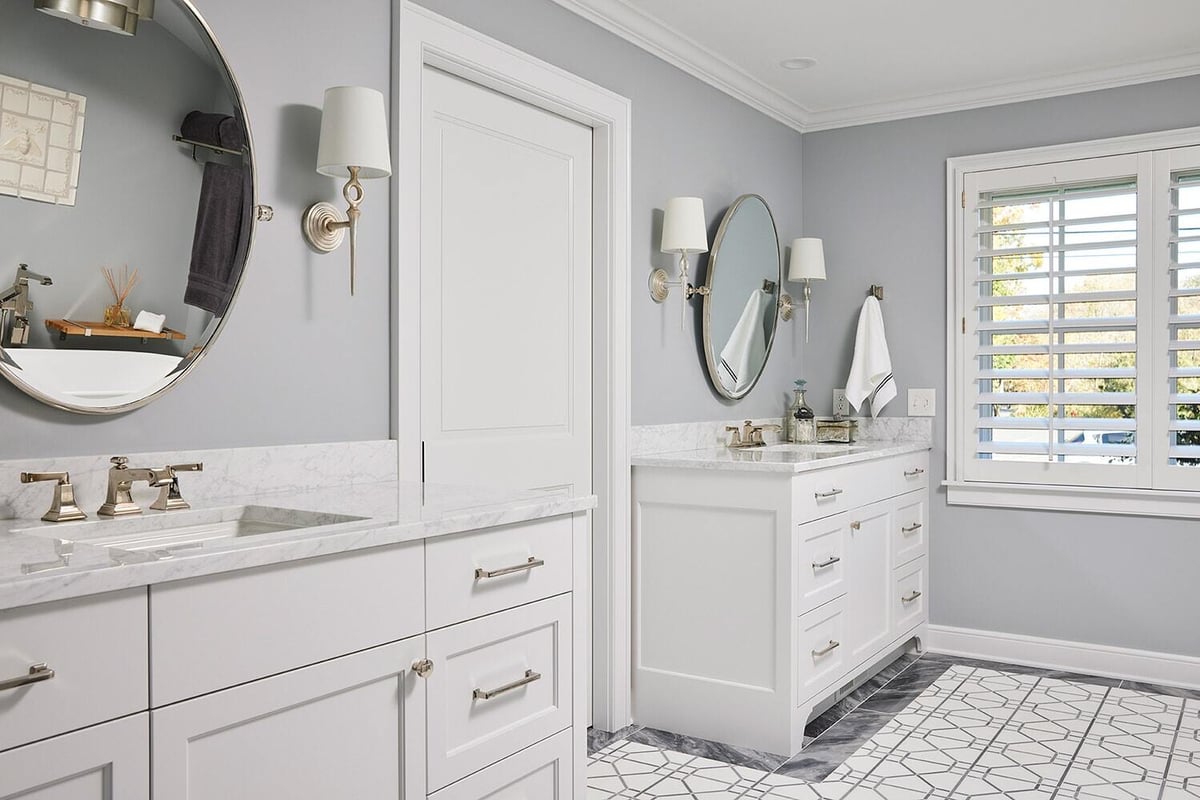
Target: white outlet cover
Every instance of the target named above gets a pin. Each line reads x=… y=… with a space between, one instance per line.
x=841 y=406
x=922 y=402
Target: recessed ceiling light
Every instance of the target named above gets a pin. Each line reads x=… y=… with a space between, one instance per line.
x=803 y=62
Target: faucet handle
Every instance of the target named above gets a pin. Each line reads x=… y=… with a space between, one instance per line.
x=169 y=496
x=62 y=507
x=119 y=461
x=736 y=438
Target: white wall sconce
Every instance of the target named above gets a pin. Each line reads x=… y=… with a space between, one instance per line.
x=807 y=263
x=354 y=141
x=114 y=16
x=684 y=232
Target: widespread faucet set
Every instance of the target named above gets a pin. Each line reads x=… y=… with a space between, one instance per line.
x=118 y=500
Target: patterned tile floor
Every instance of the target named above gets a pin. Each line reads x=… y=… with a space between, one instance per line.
x=942 y=728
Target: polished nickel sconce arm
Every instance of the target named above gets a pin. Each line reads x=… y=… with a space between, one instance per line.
x=325 y=227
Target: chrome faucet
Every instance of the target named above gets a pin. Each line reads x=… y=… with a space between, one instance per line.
x=118 y=501
x=15 y=303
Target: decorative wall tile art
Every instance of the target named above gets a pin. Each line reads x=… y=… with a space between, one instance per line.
x=41 y=140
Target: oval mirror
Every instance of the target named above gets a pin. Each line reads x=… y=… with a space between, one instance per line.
x=741 y=308
x=107 y=202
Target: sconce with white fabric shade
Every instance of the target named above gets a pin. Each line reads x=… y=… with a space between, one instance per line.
x=354 y=141
x=807 y=263
x=684 y=232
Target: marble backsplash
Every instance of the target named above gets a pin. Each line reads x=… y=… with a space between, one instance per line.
x=648 y=439
x=227 y=472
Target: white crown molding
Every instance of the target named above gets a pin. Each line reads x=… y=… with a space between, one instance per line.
x=686 y=54
x=1091 y=659
x=656 y=38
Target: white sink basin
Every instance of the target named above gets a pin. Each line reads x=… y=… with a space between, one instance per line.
x=815 y=449
x=165 y=534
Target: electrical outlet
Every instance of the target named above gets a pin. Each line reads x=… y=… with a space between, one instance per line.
x=841 y=406
x=921 y=402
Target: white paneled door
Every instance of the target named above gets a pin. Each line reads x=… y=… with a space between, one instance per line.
x=506 y=263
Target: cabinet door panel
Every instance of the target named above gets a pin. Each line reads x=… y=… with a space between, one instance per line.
x=350 y=727
x=104 y=762
x=868 y=578
x=541 y=772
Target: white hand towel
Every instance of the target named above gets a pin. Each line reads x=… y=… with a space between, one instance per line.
x=743 y=353
x=871 y=371
x=149 y=321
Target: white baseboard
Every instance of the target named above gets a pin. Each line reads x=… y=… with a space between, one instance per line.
x=1093 y=659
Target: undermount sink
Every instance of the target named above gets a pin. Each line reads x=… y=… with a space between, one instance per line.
x=821 y=448
x=174 y=532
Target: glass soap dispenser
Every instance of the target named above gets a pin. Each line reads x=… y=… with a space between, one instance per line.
x=802 y=422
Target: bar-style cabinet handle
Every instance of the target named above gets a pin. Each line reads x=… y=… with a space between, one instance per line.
x=913 y=473
x=496 y=573
x=37 y=674
x=827 y=563
x=824 y=651
x=911 y=597
x=826 y=495
x=530 y=677
x=916 y=526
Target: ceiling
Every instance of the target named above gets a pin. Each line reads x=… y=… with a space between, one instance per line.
x=889 y=59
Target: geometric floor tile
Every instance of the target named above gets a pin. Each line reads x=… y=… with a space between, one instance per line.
x=957 y=730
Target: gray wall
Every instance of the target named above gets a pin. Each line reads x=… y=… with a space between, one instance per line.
x=138 y=90
x=877 y=195
x=688 y=139
x=299 y=360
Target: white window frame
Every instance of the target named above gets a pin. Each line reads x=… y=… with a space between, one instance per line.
x=1176 y=490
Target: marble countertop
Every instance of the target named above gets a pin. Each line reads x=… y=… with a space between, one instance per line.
x=776 y=458
x=42 y=561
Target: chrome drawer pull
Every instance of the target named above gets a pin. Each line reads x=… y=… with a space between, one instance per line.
x=913 y=473
x=37 y=674
x=824 y=495
x=496 y=573
x=824 y=651
x=832 y=560
x=530 y=677
x=911 y=597
x=916 y=526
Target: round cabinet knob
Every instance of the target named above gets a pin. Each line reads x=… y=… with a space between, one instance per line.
x=423 y=667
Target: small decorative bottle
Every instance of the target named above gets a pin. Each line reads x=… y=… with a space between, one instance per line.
x=802 y=422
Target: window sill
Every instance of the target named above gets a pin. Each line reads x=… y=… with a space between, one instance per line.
x=1095 y=500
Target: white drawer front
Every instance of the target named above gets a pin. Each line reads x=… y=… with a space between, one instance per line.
x=541 y=772
x=477 y=573
x=826 y=492
x=821 y=648
x=103 y=762
x=910 y=529
x=909 y=472
x=214 y=632
x=97 y=649
x=499 y=684
x=910 y=587
x=820 y=569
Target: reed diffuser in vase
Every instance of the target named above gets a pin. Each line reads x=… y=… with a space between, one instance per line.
x=117 y=315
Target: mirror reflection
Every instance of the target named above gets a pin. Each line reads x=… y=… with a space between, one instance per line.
x=741 y=309
x=126 y=197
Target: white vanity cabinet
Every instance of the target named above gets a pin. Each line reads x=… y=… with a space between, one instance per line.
x=760 y=595
x=445 y=666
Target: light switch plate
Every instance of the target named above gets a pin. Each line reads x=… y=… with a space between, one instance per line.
x=841 y=406
x=922 y=402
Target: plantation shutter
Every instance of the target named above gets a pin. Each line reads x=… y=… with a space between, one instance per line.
x=1183 y=321
x=1051 y=317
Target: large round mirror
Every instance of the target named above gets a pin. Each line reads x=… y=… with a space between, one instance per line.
x=126 y=191
x=742 y=304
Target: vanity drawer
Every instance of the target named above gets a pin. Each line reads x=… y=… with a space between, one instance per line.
x=909 y=586
x=217 y=631
x=821 y=649
x=541 y=772
x=97 y=649
x=910 y=529
x=825 y=492
x=477 y=573
x=820 y=571
x=909 y=472
x=499 y=683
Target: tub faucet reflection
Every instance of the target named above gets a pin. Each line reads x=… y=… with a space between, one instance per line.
x=15 y=305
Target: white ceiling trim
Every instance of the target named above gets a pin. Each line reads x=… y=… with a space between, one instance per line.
x=653 y=36
x=690 y=56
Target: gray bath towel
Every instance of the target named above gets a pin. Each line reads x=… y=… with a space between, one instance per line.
x=220 y=240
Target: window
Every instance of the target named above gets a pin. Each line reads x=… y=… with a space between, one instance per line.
x=1075 y=356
